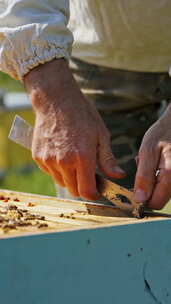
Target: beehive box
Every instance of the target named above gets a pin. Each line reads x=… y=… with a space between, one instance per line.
x=79 y=252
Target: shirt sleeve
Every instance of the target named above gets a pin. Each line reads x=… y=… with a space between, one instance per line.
x=32 y=32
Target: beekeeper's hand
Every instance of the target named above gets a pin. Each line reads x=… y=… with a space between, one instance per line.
x=70 y=139
x=155 y=157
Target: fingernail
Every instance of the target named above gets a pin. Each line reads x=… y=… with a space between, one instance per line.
x=140 y=196
x=118 y=170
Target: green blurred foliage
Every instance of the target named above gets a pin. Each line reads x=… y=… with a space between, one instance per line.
x=17 y=178
x=9 y=84
x=31 y=181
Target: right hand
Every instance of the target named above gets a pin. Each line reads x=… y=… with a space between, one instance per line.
x=155 y=154
x=70 y=139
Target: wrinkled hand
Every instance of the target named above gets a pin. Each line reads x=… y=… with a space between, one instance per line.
x=154 y=154
x=70 y=138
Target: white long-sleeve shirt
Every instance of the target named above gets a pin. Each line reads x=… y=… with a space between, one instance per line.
x=132 y=35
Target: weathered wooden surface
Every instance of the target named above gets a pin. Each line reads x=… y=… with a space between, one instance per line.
x=59 y=214
x=124 y=262
x=119 y=196
x=63 y=215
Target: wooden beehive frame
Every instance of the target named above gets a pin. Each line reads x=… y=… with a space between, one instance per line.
x=65 y=215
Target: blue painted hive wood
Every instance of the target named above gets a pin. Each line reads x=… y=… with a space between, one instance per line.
x=91 y=256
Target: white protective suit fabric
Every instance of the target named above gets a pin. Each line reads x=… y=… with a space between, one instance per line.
x=32 y=32
x=131 y=35
x=124 y=34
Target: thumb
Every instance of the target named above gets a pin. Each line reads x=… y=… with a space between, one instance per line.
x=107 y=162
x=146 y=175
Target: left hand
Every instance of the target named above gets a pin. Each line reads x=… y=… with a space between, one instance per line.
x=155 y=154
x=70 y=139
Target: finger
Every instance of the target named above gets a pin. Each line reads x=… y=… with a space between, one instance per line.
x=52 y=172
x=43 y=167
x=86 y=180
x=145 y=176
x=107 y=162
x=57 y=177
x=70 y=180
x=162 y=191
x=51 y=164
x=136 y=160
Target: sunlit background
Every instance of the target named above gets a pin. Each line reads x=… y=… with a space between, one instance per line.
x=17 y=170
